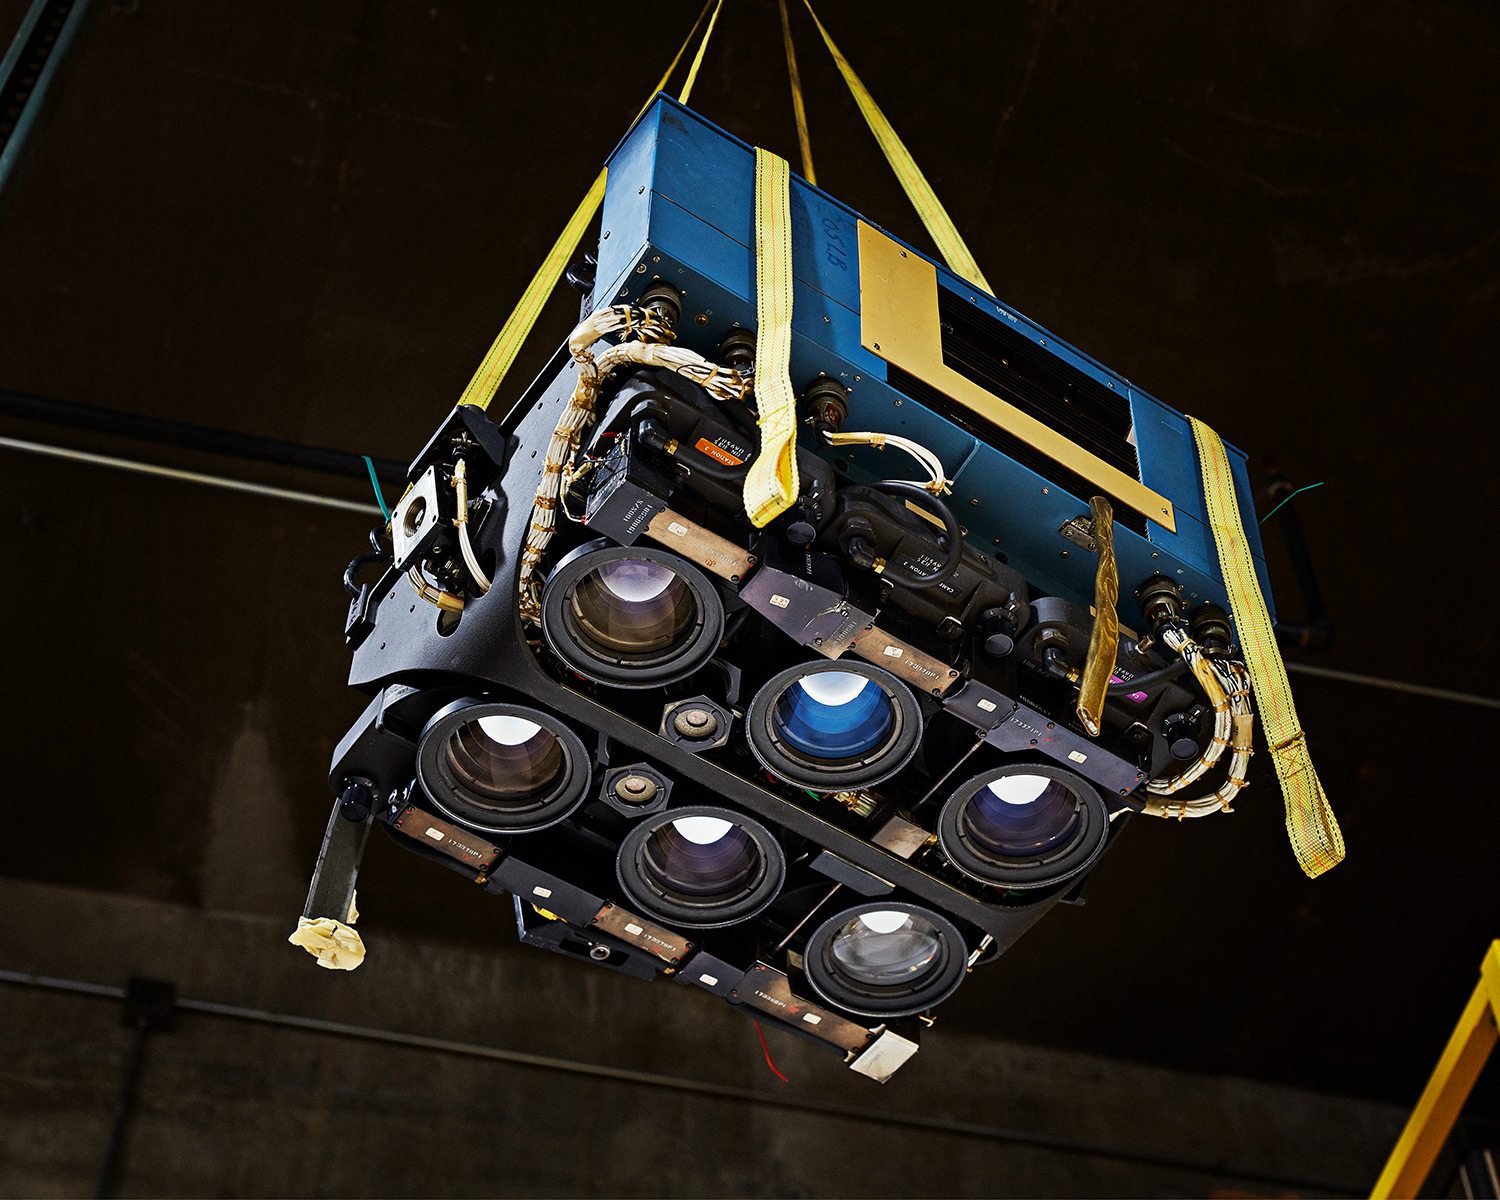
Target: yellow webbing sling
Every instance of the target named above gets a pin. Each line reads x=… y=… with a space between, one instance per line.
x=1310 y=823
x=502 y=353
x=771 y=483
x=799 y=110
x=939 y=224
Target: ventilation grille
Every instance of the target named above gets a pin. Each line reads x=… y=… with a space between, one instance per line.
x=1009 y=445
x=1008 y=364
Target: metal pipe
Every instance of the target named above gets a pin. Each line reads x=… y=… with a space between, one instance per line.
x=28 y=72
x=219 y=481
x=195 y=437
x=780 y=1100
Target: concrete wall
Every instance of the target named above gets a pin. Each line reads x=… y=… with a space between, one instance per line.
x=231 y=1107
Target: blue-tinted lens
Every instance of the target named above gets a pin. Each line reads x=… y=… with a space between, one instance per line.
x=833 y=715
x=1020 y=816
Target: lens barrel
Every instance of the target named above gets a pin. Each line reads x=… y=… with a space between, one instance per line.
x=501 y=767
x=885 y=958
x=831 y=726
x=700 y=866
x=1026 y=825
x=630 y=616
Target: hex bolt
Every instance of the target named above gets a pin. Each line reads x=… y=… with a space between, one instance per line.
x=695 y=723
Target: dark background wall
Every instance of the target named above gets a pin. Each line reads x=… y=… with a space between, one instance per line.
x=309 y=222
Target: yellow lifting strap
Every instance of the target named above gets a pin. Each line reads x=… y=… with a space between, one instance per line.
x=939 y=224
x=1310 y=823
x=502 y=353
x=771 y=483
x=798 y=108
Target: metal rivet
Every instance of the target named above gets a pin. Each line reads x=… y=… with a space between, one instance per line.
x=701 y=319
x=898 y=401
x=1046 y=491
x=973 y=501
x=641 y=270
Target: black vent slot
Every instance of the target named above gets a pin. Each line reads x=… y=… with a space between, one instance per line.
x=1010 y=445
x=984 y=349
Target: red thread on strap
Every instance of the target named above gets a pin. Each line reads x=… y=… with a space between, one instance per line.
x=767 y=1049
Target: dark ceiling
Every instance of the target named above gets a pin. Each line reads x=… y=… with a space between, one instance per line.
x=308 y=221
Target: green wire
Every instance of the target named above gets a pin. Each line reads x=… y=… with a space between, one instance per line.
x=380 y=498
x=1265 y=518
x=814 y=795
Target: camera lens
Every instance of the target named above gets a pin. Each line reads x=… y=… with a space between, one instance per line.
x=501 y=766
x=633 y=606
x=884 y=948
x=1017 y=815
x=833 y=715
x=700 y=866
x=504 y=758
x=1023 y=826
x=885 y=959
x=701 y=856
x=630 y=617
x=833 y=725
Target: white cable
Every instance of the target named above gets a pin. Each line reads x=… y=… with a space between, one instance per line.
x=937 y=482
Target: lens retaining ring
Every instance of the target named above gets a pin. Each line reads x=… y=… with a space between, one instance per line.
x=620 y=669
x=1021 y=872
x=791 y=767
x=868 y=1000
x=447 y=793
x=676 y=909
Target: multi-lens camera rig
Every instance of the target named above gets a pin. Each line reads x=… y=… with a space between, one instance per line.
x=824 y=767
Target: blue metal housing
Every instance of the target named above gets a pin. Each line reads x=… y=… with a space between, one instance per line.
x=679 y=207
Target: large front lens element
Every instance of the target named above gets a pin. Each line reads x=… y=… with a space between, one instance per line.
x=1023 y=826
x=504 y=758
x=885 y=948
x=833 y=715
x=834 y=725
x=633 y=606
x=631 y=617
x=885 y=959
x=1018 y=815
x=701 y=856
x=500 y=766
x=701 y=866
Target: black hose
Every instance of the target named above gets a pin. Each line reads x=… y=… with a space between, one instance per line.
x=350 y=584
x=913 y=491
x=1141 y=682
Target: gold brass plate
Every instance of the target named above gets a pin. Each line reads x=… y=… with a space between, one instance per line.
x=770 y=991
x=898 y=312
x=648 y=935
x=448 y=839
x=692 y=541
x=905 y=662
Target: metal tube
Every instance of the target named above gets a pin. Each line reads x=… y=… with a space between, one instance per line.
x=780 y=1100
x=195 y=437
x=219 y=481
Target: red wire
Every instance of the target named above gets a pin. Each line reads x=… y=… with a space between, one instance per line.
x=767 y=1049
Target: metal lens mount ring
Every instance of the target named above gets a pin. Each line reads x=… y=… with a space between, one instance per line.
x=885 y=958
x=501 y=767
x=700 y=866
x=1025 y=825
x=836 y=734
x=630 y=616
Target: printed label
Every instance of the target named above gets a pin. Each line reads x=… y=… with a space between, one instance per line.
x=893 y=651
x=987 y=705
x=436 y=835
x=1078 y=756
x=541 y=891
x=717 y=453
x=780 y=601
x=679 y=530
x=707 y=980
